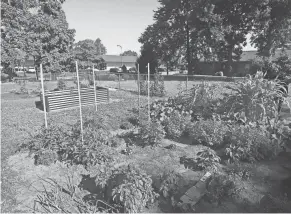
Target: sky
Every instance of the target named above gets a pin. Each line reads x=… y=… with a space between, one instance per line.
x=115 y=22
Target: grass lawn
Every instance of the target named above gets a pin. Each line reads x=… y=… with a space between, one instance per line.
x=20 y=118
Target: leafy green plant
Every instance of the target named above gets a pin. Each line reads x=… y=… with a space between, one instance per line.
x=248 y=143
x=207 y=159
x=151 y=132
x=45 y=157
x=169 y=186
x=133 y=190
x=61 y=84
x=220 y=187
x=112 y=77
x=254 y=99
x=239 y=170
x=68 y=198
x=157 y=87
x=176 y=124
x=4 y=77
x=208 y=132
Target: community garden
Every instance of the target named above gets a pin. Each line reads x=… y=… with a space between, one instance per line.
x=128 y=161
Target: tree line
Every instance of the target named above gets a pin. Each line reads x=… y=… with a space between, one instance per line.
x=38 y=29
x=195 y=30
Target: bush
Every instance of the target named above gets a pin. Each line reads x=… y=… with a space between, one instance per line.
x=200 y=99
x=169 y=184
x=62 y=84
x=124 y=69
x=113 y=70
x=132 y=69
x=131 y=190
x=4 y=77
x=151 y=132
x=207 y=159
x=157 y=87
x=220 y=187
x=94 y=149
x=209 y=132
x=125 y=76
x=112 y=77
x=253 y=100
x=250 y=144
x=176 y=124
x=45 y=157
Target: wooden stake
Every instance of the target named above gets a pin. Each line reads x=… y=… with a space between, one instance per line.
x=149 y=92
x=43 y=96
x=95 y=88
x=138 y=86
x=80 y=103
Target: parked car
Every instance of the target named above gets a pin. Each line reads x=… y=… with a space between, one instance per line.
x=31 y=70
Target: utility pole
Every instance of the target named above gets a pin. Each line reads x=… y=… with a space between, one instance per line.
x=120 y=54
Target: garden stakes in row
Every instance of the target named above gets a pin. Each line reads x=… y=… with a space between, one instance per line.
x=79 y=90
x=94 y=88
x=43 y=96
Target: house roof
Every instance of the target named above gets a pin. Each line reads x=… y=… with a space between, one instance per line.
x=116 y=58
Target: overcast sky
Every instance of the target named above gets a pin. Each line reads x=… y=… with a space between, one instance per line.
x=115 y=22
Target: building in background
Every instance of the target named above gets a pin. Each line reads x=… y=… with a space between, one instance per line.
x=116 y=61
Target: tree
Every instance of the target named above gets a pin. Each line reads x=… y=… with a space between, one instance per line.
x=49 y=39
x=88 y=52
x=272 y=29
x=238 y=18
x=14 y=18
x=129 y=53
x=183 y=27
x=100 y=48
x=147 y=56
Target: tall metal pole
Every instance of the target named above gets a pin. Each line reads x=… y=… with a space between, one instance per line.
x=149 y=92
x=95 y=92
x=80 y=103
x=121 y=54
x=43 y=96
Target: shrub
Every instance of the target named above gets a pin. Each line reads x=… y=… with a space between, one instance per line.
x=45 y=157
x=125 y=76
x=220 y=187
x=250 y=144
x=113 y=70
x=176 y=124
x=169 y=184
x=112 y=77
x=126 y=125
x=207 y=159
x=94 y=149
x=151 y=132
x=200 y=99
x=123 y=68
x=4 y=77
x=253 y=99
x=132 y=69
x=209 y=132
x=62 y=84
x=134 y=190
x=157 y=87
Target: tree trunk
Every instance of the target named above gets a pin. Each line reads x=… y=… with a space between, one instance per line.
x=167 y=69
x=229 y=61
x=189 y=66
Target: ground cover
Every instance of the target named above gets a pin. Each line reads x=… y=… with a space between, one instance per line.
x=167 y=158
